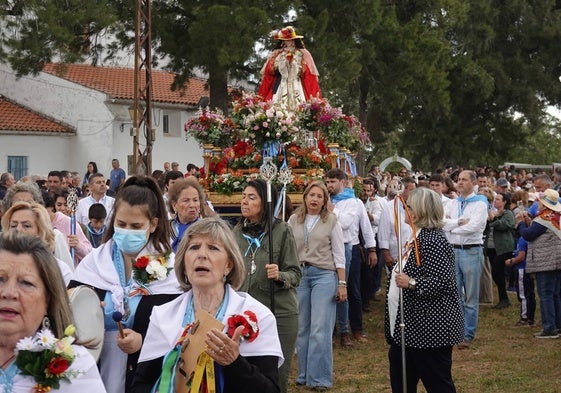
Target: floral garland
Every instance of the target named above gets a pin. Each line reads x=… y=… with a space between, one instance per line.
x=47 y=358
x=149 y=268
x=248 y=320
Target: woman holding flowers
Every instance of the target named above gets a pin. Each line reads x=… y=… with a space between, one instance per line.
x=241 y=358
x=290 y=76
x=130 y=272
x=37 y=352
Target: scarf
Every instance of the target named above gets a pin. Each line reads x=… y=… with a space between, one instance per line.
x=462 y=202
x=347 y=193
x=181 y=228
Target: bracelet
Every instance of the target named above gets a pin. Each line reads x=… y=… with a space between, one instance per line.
x=372 y=249
x=342 y=283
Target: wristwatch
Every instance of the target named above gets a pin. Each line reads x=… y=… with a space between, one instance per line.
x=412 y=283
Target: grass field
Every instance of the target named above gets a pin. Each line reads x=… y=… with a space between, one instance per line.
x=503 y=358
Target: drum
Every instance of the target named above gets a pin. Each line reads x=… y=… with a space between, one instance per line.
x=88 y=319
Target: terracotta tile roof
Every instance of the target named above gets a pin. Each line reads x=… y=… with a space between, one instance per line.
x=119 y=82
x=15 y=117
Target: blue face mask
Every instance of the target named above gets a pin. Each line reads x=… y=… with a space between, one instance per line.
x=130 y=241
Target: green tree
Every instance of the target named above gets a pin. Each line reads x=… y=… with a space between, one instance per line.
x=38 y=32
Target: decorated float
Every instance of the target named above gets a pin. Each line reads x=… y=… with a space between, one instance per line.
x=302 y=144
x=286 y=133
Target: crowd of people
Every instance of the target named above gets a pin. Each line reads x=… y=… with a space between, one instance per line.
x=161 y=261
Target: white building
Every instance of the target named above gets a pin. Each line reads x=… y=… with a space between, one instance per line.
x=70 y=115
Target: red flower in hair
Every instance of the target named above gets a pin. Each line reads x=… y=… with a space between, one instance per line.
x=248 y=320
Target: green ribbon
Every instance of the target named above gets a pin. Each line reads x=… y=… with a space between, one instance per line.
x=168 y=370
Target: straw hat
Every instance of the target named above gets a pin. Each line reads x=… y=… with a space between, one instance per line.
x=550 y=199
x=285 y=34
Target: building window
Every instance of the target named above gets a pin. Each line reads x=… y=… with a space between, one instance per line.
x=165 y=125
x=17 y=166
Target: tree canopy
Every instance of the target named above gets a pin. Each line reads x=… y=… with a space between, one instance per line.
x=440 y=82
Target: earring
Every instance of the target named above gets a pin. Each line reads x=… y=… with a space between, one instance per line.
x=46 y=323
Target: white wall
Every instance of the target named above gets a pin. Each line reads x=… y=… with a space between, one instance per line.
x=97 y=121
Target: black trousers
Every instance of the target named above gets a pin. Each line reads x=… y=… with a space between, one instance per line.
x=433 y=366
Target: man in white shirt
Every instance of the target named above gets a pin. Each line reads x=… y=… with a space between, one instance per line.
x=436 y=183
x=98 y=194
x=465 y=219
x=353 y=218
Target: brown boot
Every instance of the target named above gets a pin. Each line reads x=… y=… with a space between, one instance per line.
x=360 y=337
x=346 y=340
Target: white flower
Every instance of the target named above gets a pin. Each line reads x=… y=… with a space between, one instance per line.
x=46 y=338
x=156 y=270
x=27 y=344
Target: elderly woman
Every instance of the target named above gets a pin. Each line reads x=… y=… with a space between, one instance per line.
x=33 y=219
x=187 y=199
x=32 y=297
x=432 y=310
x=281 y=277
x=319 y=241
x=131 y=273
x=544 y=258
x=210 y=269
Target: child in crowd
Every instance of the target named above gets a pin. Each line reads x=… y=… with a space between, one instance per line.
x=525 y=288
x=96 y=226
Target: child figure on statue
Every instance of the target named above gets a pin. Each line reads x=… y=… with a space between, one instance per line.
x=290 y=76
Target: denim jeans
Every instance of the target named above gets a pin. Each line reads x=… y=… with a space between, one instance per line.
x=469 y=264
x=549 y=291
x=316 y=297
x=343 y=308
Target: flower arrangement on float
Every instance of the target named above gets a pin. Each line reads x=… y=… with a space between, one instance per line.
x=316 y=136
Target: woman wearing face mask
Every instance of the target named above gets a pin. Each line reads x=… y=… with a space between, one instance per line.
x=130 y=272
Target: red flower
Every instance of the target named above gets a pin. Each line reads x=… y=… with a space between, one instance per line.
x=57 y=366
x=141 y=262
x=248 y=320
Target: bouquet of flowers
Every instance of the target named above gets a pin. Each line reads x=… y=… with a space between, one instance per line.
x=209 y=128
x=46 y=358
x=148 y=268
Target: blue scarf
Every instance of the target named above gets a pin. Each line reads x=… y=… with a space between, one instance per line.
x=462 y=202
x=181 y=228
x=347 y=193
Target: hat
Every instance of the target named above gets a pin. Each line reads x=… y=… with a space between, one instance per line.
x=502 y=182
x=550 y=199
x=532 y=196
x=285 y=34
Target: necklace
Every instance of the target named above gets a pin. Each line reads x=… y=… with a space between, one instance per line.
x=308 y=227
x=254 y=243
x=7 y=361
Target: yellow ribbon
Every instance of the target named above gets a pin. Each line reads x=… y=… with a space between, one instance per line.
x=205 y=366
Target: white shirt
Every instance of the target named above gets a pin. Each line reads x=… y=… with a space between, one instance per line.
x=470 y=233
x=374 y=207
x=387 y=237
x=352 y=216
x=84 y=207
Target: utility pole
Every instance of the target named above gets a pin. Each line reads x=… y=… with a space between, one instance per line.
x=142 y=104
